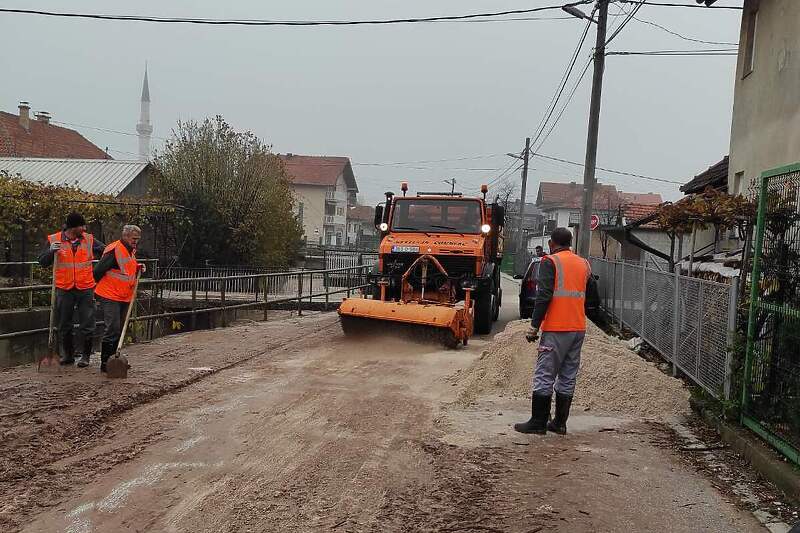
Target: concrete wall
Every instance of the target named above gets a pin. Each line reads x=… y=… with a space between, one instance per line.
x=766 y=111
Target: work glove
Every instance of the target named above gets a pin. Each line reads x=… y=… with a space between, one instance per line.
x=141 y=268
x=532 y=335
x=55 y=247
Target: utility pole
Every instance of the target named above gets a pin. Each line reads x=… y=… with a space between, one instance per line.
x=521 y=256
x=584 y=234
x=452 y=183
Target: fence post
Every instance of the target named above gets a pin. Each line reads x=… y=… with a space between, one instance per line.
x=30 y=293
x=348 y=282
x=222 y=300
x=327 y=289
x=194 y=306
x=699 y=352
x=613 y=292
x=311 y=290
x=300 y=294
x=622 y=296
x=266 y=296
x=733 y=304
x=676 y=318
x=644 y=297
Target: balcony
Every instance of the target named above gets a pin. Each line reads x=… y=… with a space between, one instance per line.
x=335 y=220
x=335 y=197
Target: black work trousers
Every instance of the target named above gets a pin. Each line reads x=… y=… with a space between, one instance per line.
x=66 y=303
x=113 y=315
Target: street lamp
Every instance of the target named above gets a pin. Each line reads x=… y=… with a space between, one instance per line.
x=575 y=12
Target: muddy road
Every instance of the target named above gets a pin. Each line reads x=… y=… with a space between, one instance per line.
x=288 y=426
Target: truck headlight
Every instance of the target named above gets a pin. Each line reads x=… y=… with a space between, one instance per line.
x=383 y=226
x=486 y=228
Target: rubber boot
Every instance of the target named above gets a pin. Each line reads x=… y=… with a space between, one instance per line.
x=106 y=351
x=68 y=353
x=540 y=412
x=83 y=362
x=559 y=423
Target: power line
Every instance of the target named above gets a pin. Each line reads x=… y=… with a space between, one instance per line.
x=105 y=130
x=673 y=53
x=671 y=4
x=626 y=21
x=564 y=107
x=621 y=172
x=684 y=37
x=257 y=22
x=561 y=86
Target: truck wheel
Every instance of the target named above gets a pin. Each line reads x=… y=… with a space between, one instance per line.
x=485 y=305
x=498 y=304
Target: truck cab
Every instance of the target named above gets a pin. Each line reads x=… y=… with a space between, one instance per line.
x=464 y=234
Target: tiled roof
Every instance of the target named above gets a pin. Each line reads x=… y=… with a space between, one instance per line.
x=716 y=176
x=569 y=195
x=44 y=140
x=318 y=170
x=635 y=212
x=98 y=176
x=361 y=212
x=648 y=198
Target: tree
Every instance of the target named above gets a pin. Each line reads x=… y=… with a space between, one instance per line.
x=239 y=194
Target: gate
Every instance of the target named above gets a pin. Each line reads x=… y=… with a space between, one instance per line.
x=771 y=388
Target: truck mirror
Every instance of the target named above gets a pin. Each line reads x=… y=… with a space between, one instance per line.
x=498 y=216
x=378 y=215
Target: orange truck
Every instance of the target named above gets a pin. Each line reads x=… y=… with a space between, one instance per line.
x=438 y=269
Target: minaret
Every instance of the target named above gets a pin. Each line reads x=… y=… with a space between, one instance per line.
x=144 y=128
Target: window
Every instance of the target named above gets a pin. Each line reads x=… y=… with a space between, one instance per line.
x=750 y=42
x=738 y=183
x=340 y=211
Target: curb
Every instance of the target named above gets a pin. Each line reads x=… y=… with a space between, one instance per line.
x=781 y=474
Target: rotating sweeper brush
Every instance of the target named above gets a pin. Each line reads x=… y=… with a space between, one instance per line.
x=426 y=311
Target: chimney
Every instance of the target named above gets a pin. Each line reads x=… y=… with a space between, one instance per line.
x=43 y=117
x=25 y=116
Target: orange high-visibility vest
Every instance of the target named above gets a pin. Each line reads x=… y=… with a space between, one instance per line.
x=74 y=268
x=566 y=311
x=117 y=284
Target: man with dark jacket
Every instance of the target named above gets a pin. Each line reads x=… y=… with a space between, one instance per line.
x=73 y=250
x=565 y=289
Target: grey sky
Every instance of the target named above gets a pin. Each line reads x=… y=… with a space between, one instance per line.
x=383 y=94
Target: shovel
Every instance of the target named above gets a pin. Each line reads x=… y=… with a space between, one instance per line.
x=117 y=366
x=51 y=358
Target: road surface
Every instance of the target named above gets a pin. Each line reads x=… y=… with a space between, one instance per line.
x=288 y=426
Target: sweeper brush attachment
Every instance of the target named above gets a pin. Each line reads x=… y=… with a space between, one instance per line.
x=438 y=318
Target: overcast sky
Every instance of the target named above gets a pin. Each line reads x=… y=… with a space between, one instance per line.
x=384 y=94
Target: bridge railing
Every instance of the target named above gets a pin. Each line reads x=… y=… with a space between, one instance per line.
x=173 y=298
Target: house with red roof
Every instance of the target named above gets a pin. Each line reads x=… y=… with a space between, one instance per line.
x=23 y=136
x=561 y=204
x=325 y=187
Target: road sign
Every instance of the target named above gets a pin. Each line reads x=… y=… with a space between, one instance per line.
x=595 y=222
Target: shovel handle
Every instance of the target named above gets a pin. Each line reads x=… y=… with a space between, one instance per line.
x=128 y=314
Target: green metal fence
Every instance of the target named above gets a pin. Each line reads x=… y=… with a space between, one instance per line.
x=771 y=384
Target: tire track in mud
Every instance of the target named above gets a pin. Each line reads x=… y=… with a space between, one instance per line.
x=47 y=421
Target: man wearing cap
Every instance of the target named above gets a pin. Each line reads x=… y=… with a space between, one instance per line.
x=116 y=277
x=72 y=250
x=564 y=287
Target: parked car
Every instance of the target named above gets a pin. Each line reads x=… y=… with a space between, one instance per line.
x=527 y=293
x=527 y=289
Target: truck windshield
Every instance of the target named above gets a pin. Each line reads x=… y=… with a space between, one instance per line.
x=436 y=216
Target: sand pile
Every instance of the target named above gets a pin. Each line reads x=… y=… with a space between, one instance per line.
x=612 y=379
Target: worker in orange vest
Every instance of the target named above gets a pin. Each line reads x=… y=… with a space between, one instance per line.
x=75 y=250
x=116 y=276
x=565 y=285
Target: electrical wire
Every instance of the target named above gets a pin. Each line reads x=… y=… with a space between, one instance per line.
x=671 y=4
x=708 y=52
x=612 y=171
x=684 y=37
x=261 y=22
x=562 y=85
x=626 y=21
x=564 y=107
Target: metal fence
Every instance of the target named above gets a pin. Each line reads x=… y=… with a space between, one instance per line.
x=771 y=382
x=178 y=298
x=689 y=321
